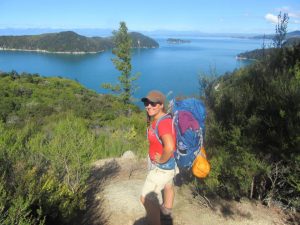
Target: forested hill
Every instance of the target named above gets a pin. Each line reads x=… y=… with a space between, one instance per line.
x=257 y=54
x=291 y=39
x=141 y=41
x=69 y=42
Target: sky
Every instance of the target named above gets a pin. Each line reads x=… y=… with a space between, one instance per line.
x=208 y=16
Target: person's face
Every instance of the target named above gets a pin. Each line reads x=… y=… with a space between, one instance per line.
x=153 y=108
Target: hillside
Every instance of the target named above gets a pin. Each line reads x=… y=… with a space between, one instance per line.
x=141 y=41
x=254 y=126
x=69 y=42
x=52 y=129
x=257 y=54
x=292 y=41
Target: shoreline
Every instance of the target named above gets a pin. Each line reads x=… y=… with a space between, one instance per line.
x=244 y=58
x=45 y=51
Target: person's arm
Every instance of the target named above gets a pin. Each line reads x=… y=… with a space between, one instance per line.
x=168 y=149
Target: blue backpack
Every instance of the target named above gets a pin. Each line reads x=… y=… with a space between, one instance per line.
x=189 y=122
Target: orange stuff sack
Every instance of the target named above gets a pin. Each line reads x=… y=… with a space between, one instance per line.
x=201 y=166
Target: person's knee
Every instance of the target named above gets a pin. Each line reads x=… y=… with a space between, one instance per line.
x=169 y=187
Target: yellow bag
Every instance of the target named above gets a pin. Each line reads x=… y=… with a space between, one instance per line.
x=201 y=166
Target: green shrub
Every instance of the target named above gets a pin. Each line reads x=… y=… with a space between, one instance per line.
x=52 y=129
x=254 y=125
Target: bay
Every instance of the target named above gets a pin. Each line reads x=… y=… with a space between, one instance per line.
x=170 y=68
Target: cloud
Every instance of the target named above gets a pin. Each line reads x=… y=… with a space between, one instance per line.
x=294 y=15
x=271 y=18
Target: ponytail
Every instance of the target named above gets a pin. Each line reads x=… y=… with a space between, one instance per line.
x=148 y=120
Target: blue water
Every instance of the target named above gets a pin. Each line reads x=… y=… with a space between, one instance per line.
x=171 y=67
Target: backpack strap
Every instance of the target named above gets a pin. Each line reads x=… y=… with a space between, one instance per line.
x=157 y=123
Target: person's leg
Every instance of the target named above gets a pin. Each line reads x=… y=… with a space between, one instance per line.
x=157 y=179
x=169 y=195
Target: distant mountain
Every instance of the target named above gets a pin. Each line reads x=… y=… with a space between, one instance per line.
x=69 y=42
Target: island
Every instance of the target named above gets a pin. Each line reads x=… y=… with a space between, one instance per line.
x=177 y=41
x=69 y=42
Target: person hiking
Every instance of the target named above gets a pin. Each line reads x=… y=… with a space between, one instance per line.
x=161 y=162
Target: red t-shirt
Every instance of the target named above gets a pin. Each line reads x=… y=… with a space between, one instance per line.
x=164 y=127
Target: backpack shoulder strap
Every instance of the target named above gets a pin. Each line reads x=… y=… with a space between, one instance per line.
x=157 y=123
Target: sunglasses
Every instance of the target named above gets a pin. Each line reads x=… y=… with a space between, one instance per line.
x=153 y=104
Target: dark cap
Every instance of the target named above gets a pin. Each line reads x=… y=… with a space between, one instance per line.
x=155 y=96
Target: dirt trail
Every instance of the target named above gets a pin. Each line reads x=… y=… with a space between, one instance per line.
x=113 y=199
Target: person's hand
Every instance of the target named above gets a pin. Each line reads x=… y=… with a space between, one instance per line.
x=157 y=157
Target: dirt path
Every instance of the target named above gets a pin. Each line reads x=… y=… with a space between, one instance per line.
x=113 y=199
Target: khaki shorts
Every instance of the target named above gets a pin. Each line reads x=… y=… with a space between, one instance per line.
x=156 y=180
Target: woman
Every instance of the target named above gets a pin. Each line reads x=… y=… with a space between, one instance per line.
x=162 y=143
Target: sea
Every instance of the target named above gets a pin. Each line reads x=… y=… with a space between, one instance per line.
x=174 y=69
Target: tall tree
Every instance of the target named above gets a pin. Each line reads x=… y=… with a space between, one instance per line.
x=122 y=62
x=281 y=30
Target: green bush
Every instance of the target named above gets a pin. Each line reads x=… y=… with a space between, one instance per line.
x=52 y=129
x=253 y=126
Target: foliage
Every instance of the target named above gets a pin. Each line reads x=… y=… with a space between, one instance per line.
x=256 y=54
x=52 y=129
x=281 y=30
x=253 y=130
x=122 y=62
x=124 y=133
x=204 y=80
x=68 y=145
